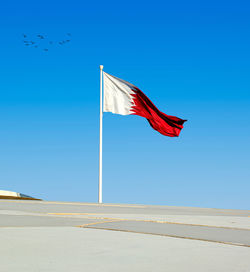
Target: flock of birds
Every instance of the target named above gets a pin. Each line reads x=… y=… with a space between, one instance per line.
x=42 y=41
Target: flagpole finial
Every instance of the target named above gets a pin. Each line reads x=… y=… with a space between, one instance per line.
x=101 y=67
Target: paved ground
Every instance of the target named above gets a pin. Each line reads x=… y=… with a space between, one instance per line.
x=56 y=236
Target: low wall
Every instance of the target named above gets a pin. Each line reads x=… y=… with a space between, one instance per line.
x=18 y=198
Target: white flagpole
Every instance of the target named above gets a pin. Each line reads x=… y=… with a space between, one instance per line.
x=100 y=143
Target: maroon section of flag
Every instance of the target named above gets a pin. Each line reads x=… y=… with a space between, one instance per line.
x=165 y=124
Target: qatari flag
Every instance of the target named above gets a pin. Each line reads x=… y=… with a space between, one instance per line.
x=124 y=98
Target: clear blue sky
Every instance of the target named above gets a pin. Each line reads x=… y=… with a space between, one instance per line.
x=191 y=58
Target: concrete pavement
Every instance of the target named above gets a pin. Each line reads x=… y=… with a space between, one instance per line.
x=64 y=249
x=58 y=236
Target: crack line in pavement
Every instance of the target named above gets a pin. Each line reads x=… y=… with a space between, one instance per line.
x=168 y=235
x=95 y=223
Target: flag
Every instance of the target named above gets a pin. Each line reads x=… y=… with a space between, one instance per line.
x=122 y=97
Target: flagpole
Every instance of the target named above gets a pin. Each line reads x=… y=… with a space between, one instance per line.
x=100 y=140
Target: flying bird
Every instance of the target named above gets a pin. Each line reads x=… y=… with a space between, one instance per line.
x=40 y=36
